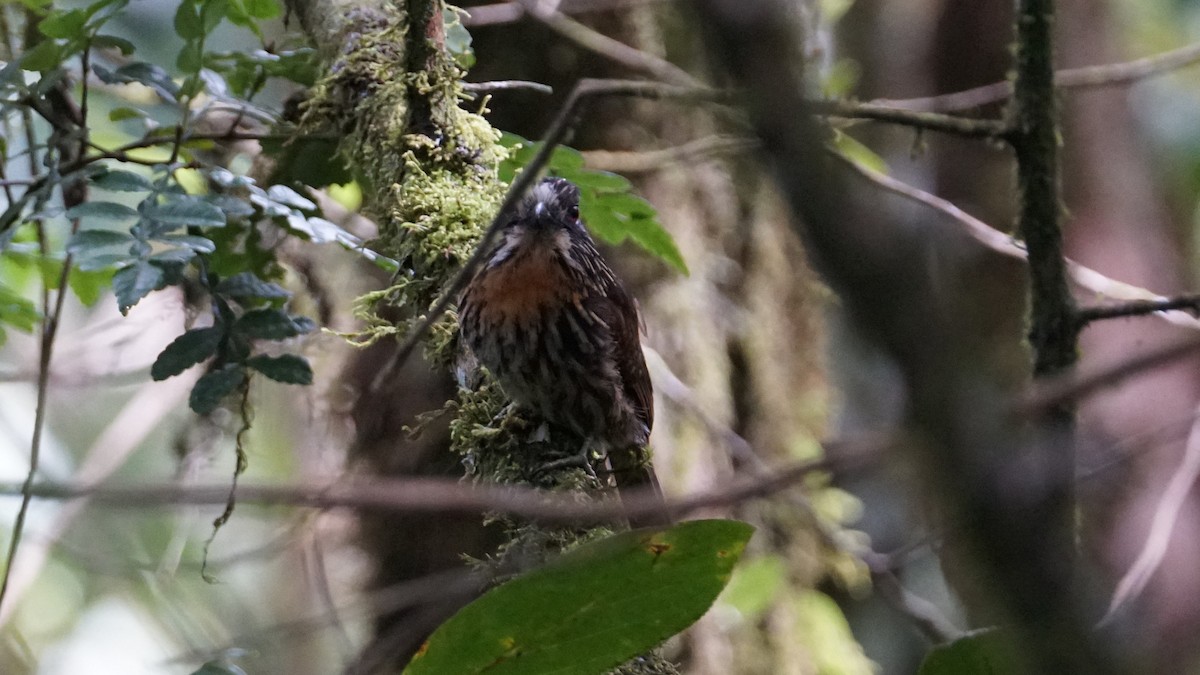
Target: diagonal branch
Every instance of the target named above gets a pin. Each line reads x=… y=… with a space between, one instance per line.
x=613 y=50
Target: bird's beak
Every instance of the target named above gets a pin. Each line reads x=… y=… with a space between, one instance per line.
x=539 y=210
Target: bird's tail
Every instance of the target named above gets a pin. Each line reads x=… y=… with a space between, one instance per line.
x=635 y=478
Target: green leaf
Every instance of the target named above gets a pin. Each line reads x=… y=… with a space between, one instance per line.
x=174 y=255
x=458 y=39
x=112 y=41
x=983 y=652
x=122 y=181
x=288 y=368
x=197 y=244
x=219 y=668
x=211 y=13
x=858 y=153
x=616 y=216
x=88 y=241
x=247 y=285
x=262 y=9
x=213 y=387
x=17 y=310
x=124 y=113
x=187 y=20
x=63 y=24
x=564 y=159
x=186 y=351
x=89 y=285
x=600 y=181
x=283 y=194
x=594 y=608
x=104 y=211
x=133 y=283
x=755 y=586
x=45 y=55
x=650 y=235
x=191 y=57
x=272 y=324
x=186 y=211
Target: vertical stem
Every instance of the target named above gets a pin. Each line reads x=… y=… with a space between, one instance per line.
x=1053 y=335
x=1053 y=330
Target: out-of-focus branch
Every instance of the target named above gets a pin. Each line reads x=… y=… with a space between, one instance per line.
x=1165 y=517
x=1108 y=75
x=510 y=12
x=1138 y=308
x=653 y=160
x=932 y=121
x=614 y=50
x=432 y=495
x=507 y=85
x=1083 y=381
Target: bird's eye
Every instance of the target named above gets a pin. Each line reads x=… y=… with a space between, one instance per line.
x=573 y=213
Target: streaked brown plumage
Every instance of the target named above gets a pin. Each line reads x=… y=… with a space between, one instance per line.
x=555 y=326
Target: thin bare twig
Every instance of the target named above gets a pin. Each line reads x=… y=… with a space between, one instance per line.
x=507 y=85
x=1085 y=380
x=562 y=125
x=653 y=160
x=1086 y=315
x=1109 y=75
x=1166 y=515
x=933 y=121
x=925 y=615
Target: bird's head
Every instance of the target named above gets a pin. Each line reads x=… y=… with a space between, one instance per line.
x=548 y=216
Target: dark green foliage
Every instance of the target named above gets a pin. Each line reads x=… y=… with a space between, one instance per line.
x=132 y=283
x=186 y=351
x=272 y=324
x=594 y=608
x=289 y=368
x=214 y=386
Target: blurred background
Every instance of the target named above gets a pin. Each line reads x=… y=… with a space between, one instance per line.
x=753 y=364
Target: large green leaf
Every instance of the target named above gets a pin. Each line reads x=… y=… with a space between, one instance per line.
x=593 y=609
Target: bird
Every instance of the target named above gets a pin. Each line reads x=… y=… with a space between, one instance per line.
x=547 y=316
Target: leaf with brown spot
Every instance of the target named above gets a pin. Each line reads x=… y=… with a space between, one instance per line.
x=592 y=609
